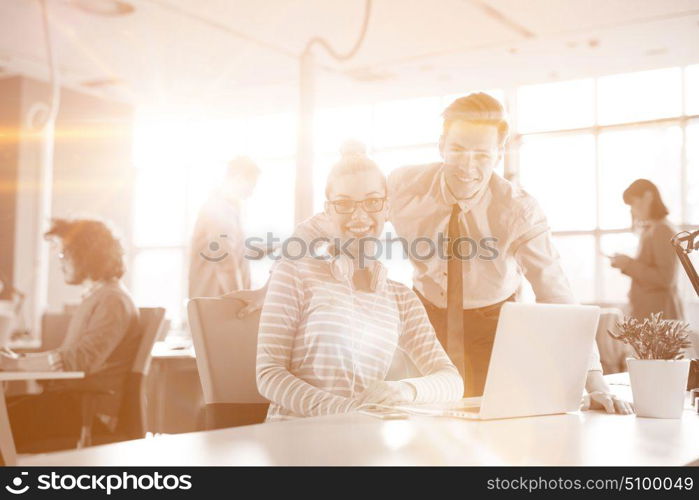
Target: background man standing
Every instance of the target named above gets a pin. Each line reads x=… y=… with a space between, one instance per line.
x=217 y=263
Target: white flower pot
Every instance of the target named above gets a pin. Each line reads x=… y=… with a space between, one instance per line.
x=658 y=386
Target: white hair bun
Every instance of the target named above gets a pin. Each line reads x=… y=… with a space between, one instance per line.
x=352 y=147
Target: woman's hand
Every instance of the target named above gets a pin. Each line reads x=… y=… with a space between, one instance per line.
x=599 y=400
x=387 y=393
x=620 y=261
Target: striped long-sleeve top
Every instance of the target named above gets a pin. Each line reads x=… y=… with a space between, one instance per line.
x=321 y=342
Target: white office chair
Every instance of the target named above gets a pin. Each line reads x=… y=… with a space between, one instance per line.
x=226 y=351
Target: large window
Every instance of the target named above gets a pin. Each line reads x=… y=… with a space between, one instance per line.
x=576 y=145
x=560 y=172
x=555 y=106
x=649 y=152
x=583 y=142
x=635 y=97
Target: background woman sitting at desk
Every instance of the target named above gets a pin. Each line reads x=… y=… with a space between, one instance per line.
x=101 y=340
x=329 y=329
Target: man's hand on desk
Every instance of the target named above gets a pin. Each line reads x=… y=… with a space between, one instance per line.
x=605 y=401
x=600 y=397
x=387 y=393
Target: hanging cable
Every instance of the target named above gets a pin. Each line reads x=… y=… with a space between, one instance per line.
x=353 y=51
x=42 y=118
x=304 y=151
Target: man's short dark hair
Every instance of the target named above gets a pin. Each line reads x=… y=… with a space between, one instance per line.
x=92 y=246
x=478 y=107
x=638 y=188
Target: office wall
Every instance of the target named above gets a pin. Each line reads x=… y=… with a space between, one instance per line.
x=9 y=117
x=91 y=176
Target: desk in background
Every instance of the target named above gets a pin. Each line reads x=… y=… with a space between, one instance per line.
x=175 y=399
x=7 y=443
x=174 y=393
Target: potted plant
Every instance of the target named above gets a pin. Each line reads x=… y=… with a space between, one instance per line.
x=658 y=372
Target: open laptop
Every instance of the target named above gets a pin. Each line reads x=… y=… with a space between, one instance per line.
x=538 y=365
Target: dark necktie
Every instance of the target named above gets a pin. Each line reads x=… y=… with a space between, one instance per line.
x=455 y=296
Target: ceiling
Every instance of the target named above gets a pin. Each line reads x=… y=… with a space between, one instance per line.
x=243 y=55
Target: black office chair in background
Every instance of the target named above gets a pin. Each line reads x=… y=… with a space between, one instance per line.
x=131 y=422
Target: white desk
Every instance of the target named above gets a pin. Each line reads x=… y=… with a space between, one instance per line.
x=7 y=443
x=585 y=438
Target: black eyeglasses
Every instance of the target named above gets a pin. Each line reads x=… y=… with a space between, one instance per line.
x=370 y=205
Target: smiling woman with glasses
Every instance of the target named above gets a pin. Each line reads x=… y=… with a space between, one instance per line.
x=330 y=327
x=369 y=205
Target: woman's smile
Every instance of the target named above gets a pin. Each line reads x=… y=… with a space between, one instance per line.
x=359 y=230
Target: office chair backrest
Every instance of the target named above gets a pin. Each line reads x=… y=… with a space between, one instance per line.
x=152 y=323
x=226 y=350
x=132 y=414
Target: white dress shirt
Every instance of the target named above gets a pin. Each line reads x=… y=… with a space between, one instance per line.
x=223 y=268
x=510 y=231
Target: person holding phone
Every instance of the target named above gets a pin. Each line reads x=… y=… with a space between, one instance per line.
x=653 y=271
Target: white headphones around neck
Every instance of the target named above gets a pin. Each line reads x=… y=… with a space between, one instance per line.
x=341 y=270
